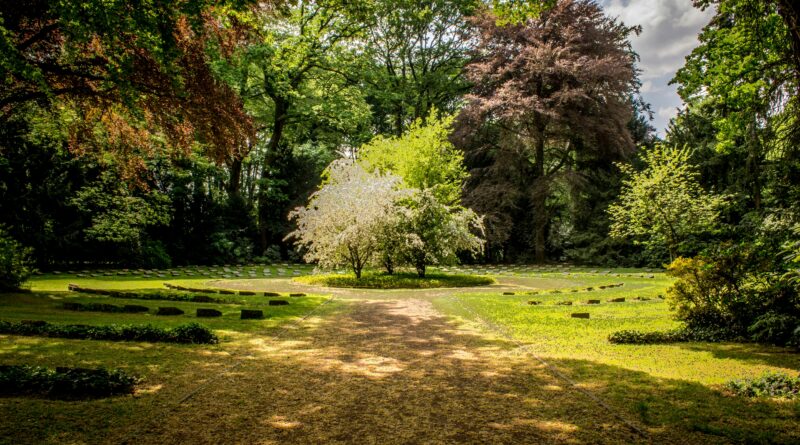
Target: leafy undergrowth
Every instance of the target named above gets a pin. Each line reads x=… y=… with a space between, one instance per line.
x=770 y=384
x=372 y=280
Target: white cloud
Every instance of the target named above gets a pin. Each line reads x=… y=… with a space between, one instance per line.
x=669 y=33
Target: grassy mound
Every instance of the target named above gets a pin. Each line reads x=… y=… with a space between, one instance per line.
x=397 y=281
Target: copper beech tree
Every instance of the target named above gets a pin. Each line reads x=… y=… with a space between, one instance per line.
x=547 y=90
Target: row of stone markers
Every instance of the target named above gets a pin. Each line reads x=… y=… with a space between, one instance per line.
x=227 y=271
x=521 y=269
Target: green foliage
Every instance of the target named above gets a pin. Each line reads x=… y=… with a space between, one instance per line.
x=735 y=288
x=435 y=233
x=775 y=328
x=118 y=214
x=513 y=12
x=770 y=384
x=397 y=281
x=664 y=205
x=65 y=383
x=188 y=333
x=15 y=262
x=423 y=158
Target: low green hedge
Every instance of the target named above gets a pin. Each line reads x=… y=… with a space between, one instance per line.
x=158 y=295
x=632 y=337
x=103 y=307
x=187 y=333
x=397 y=281
x=64 y=383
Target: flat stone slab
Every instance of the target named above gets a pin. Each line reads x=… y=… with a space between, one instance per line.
x=580 y=315
x=278 y=302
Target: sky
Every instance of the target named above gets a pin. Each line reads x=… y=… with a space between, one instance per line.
x=669 y=34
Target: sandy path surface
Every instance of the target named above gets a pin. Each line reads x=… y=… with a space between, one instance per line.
x=391 y=371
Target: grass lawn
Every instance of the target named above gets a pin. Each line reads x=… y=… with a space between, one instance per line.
x=396 y=349
x=169 y=370
x=660 y=386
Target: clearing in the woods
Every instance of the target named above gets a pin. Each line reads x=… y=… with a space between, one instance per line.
x=466 y=365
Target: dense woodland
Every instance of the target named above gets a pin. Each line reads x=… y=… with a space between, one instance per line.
x=150 y=134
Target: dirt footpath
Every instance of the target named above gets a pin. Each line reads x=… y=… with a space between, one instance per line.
x=391 y=371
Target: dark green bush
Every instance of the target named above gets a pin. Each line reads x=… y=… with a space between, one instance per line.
x=188 y=333
x=94 y=307
x=774 y=328
x=64 y=383
x=633 y=337
x=768 y=385
x=738 y=290
x=159 y=296
x=15 y=262
x=193 y=333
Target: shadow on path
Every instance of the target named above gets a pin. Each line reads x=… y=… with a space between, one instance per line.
x=388 y=372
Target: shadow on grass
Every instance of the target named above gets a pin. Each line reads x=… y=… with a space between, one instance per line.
x=399 y=372
x=749 y=352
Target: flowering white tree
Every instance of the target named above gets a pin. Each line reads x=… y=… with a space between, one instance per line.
x=434 y=233
x=343 y=221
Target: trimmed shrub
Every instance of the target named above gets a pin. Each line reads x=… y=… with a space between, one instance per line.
x=134 y=308
x=630 y=337
x=147 y=333
x=633 y=337
x=92 y=307
x=169 y=311
x=767 y=385
x=252 y=314
x=203 y=312
x=163 y=296
x=65 y=383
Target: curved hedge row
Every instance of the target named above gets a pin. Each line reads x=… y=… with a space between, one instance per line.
x=64 y=383
x=187 y=333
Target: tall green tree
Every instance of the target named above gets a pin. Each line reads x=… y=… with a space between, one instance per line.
x=415 y=53
x=663 y=205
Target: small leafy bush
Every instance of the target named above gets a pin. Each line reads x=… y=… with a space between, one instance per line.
x=64 y=383
x=770 y=384
x=15 y=261
x=188 y=333
x=774 y=328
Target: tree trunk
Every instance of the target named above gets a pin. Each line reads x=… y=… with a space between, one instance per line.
x=420 y=269
x=539 y=201
x=388 y=263
x=278 y=124
x=235 y=179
